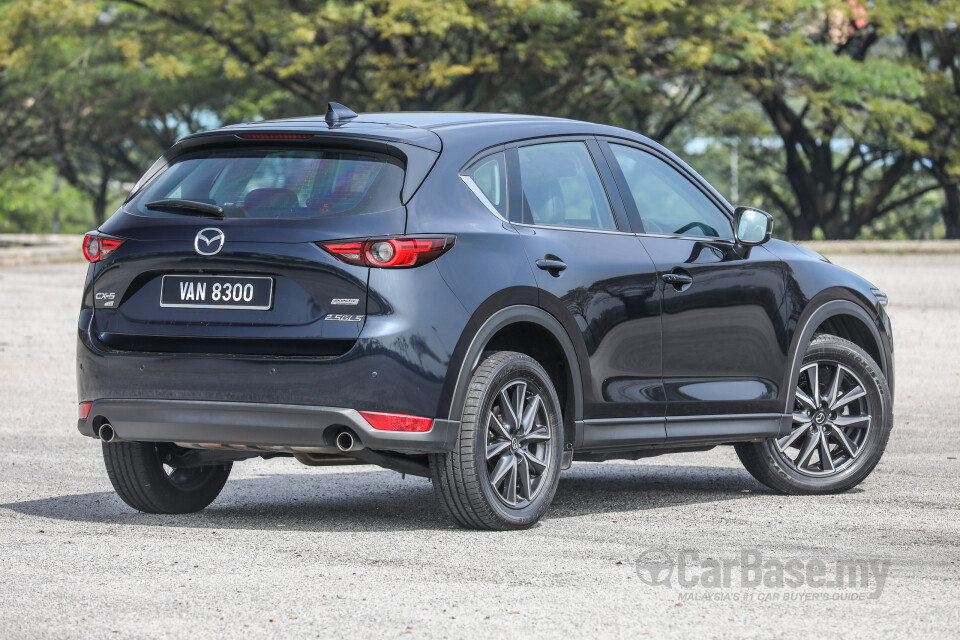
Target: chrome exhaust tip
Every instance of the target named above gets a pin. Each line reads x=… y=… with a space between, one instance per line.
x=106 y=432
x=346 y=442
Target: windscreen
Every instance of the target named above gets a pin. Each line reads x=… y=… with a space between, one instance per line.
x=278 y=183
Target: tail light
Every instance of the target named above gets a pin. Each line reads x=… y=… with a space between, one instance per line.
x=83 y=409
x=97 y=247
x=390 y=252
x=397 y=422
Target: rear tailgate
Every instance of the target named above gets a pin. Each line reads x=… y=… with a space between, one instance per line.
x=253 y=282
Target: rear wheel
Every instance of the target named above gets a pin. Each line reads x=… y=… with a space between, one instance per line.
x=842 y=416
x=141 y=478
x=505 y=465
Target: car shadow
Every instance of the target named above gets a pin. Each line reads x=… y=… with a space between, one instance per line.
x=382 y=501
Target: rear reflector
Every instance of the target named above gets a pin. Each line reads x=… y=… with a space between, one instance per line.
x=397 y=422
x=97 y=247
x=390 y=252
x=275 y=136
x=83 y=409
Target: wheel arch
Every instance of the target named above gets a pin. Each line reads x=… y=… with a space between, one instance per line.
x=844 y=318
x=527 y=329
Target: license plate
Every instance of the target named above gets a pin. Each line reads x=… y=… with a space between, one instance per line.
x=216 y=292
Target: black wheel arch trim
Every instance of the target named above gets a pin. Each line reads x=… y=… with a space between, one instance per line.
x=823 y=306
x=483 y=325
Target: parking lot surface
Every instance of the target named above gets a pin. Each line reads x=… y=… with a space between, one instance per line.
x=677 y=546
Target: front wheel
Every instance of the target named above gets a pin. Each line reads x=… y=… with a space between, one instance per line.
x=842 y=416
x=144 y=481
x=505 y=465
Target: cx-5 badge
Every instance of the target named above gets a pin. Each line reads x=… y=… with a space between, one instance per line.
x=208 y=242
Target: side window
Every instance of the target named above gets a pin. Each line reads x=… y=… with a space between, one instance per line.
x=490 y=176
x=667 y=201
x=561 y=187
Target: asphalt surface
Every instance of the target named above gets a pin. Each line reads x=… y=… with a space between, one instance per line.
x=292 y=551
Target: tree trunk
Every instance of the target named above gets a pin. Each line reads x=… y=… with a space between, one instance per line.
x=100 y=195
x=951 y=210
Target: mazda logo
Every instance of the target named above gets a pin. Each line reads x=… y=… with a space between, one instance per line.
x=208 y=242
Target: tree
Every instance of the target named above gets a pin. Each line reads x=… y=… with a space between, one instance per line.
x=931 y=43
x=79 y=88
x=846 y=114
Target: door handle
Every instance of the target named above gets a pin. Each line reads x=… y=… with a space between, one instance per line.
x=678 y=280
x=553 y=265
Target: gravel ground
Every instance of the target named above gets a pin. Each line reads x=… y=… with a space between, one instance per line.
x=294 y=551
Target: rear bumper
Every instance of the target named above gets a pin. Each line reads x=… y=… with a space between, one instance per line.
x=251 y=423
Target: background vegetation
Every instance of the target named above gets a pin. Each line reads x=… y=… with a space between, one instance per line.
x=840 y=117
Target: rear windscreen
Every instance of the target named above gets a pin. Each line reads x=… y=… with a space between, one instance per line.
x=279 y=183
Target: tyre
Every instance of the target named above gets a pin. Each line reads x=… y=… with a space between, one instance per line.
x=842 y=416
x=505 y=465
x=142 y=480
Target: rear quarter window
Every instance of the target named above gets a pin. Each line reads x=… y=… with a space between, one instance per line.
x=279 y=183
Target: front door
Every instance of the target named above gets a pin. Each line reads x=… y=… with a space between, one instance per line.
x=724 y=343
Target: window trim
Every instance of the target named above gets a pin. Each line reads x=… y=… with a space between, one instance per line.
x=475 y=188
x=603 y=172
x=633 y=213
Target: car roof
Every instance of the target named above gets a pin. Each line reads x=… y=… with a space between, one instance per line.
x=417 y=119
x=430 y=129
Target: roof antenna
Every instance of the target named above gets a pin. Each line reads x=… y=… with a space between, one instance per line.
x=337 y=114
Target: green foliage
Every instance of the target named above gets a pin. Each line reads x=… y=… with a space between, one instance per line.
x=29 y=196
x=847 y=112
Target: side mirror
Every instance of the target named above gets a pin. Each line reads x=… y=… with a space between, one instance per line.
x=753 y=225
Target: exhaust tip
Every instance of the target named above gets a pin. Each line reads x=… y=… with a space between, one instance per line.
x=106 y=432
x=345 y=441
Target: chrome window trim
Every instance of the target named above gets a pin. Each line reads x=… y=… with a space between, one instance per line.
x=668 y=235
x=467 y=180
x=583 y=229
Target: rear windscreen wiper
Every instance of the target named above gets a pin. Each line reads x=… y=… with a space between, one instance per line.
x=188 y=207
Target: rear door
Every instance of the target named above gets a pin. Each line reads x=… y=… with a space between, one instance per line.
x=724 y=343
x=254 y=281
x=590 y=268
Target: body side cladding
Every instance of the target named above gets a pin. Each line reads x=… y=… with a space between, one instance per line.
x=484 y=324
x=816 y=312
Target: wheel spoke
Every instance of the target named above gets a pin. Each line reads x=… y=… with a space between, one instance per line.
x=844 y=441
x=523 y=470
x=854 y=394
x=520 y=401
x=529 y=415
x=826 y=460
x=809 y=446
x=538 y=435
x=834 y=387
x=848 y=421
x=786 y=441
x=813 y=373
x=495 y=449
x=537 y=464
x=502 y=469
x=497 y=426
x=510 y=410
x=802 y=418
x=510 y=495
x=805 y=399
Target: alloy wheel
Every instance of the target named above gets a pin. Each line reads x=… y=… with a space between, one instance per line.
x=831 y=421
x=518 y=454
